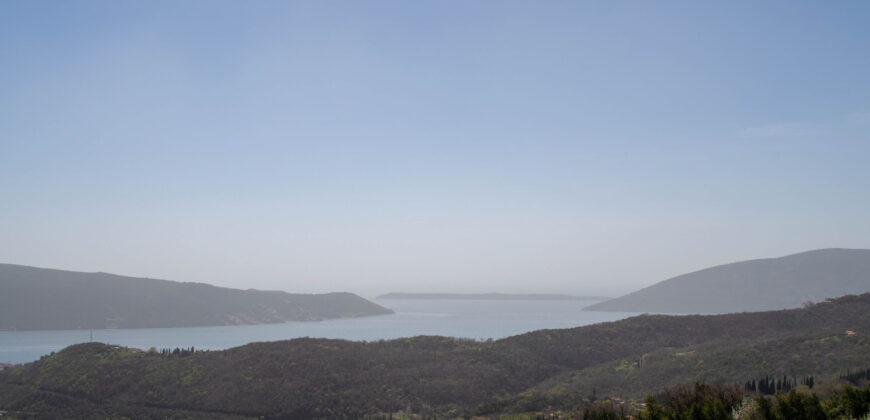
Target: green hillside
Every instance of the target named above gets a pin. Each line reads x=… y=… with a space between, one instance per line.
x=547 y=369
x=44 y=299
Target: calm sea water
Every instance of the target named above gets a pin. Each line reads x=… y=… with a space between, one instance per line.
x=457 y=318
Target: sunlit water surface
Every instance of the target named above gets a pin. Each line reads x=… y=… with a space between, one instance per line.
x=478 y=319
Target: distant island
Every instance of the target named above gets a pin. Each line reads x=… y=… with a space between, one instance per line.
x=755 y=285
x=46 y=299
x=487 y=296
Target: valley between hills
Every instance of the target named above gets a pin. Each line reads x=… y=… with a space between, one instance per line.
x=599 y=371
x=445 y=377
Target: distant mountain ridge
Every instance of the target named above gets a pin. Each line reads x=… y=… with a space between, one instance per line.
x=487 y=296
x=48 y=299
x=754 y=285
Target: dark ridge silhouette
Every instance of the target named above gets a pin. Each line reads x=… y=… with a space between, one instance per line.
x=755 y=285
x=46 y=299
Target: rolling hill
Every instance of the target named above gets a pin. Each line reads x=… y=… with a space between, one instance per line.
x=755 y=285
x=45 y=299
x=440 y=376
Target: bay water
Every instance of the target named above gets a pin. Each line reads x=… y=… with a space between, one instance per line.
x=477 y=319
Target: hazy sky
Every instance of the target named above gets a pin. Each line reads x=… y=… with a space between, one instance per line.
x=447 y=146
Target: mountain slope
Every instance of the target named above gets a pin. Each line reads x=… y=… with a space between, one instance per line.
x=320 y=378
x=39 y=299
x=755 y=285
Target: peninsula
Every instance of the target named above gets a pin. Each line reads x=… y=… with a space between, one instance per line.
x=46 y=299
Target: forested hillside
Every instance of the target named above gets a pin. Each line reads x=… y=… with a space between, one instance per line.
x=548 y=369
x=44 y=299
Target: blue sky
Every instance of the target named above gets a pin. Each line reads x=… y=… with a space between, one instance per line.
x=430 y=146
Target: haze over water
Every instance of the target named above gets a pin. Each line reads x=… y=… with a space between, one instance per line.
x=457 y=318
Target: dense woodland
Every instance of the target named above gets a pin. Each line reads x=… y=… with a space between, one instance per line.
x=541 y=371
x=725 y=402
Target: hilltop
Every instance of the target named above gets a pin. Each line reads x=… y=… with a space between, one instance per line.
x=755 y=285
x=322 y=378
x=46 y=299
